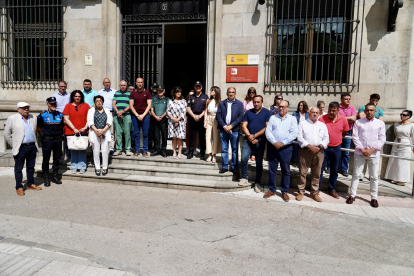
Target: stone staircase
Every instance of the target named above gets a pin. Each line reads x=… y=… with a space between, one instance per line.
x=188 y=174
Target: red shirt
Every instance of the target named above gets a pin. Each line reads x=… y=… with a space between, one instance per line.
x=140 y=100
x=77 y=118
x=335 y=129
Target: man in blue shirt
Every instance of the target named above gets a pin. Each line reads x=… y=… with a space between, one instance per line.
x=254 y=126
x=281 y=131
x=88 y=92
x=229 y=116
x=50 y=127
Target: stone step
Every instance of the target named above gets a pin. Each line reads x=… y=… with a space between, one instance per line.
x=195 y=162
x=162 y=171
x=153 y=181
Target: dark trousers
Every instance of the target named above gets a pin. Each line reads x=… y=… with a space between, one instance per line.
x=295 y=148
x=151 y=129
x=47 y=147
x=248 y=149
x=346 y=144
x=193 y=128
x=67 y=151
x=282 y=156
x=160 y=133
x=26 y=154
x=333 y=155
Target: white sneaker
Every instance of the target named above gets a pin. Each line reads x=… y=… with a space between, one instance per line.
x=74 y=171
x=128 y=153
x=81 y=171
x=257 y=188
x=117 y=153
x=243 y=182
x=209 y=158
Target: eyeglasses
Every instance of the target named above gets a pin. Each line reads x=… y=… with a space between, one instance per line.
x=405 y=115
x=282 y=107
x=63 y=86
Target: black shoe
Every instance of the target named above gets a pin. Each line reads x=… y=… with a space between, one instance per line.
x=202 y=157
x=345 y=174
x=223 y=170
x=55 y=178
x=157 y=152
x=104 y=172
x=98 y=172
x=190 y=155
x=163 y=154
x=236 y=175
x=47 y=180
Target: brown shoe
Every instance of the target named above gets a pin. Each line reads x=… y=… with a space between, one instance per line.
x=20 y=192
x=299 y=197
x=137 y=154
x=285 y=197
x=374 y=203
x=268 y=194
x=316 y=197
x=145 y=154
x=33 y=187
x=350 y=200
x=334 y=194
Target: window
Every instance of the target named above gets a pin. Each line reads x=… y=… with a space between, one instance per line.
x=311 y=44
x=31 y=49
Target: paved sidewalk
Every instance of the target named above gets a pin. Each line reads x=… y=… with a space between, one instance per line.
x=19 y=257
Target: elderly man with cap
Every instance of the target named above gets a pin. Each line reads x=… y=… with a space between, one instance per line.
x=20 y=133
x=195 y=108
x=50 y=127
x=159 y=111
x=151 y=137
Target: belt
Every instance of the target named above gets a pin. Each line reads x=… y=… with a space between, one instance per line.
x=53 y=138
x=28 y=144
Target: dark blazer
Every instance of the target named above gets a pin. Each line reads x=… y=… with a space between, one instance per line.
x=237 y=112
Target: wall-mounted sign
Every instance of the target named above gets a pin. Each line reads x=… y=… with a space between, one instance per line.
x=242 y=74
x=88 y=60
x=250 y=59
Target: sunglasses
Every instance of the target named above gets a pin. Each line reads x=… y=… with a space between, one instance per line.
x=251 y=92
x=279 y=98
x=405 y=115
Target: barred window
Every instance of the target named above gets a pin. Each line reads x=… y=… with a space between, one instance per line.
x=31 y=49
x=312 y=44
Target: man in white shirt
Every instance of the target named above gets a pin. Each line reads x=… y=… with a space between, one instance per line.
x=313 y=138
x=108 y=94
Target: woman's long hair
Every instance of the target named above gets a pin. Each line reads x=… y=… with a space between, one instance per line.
x=247 y=98
x=305 y=107
x=175 y=90
x=217 y=95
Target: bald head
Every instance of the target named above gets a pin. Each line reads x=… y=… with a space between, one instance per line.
x=107 y=84
x=140 y=84
x=123 y=86
x=314 y=114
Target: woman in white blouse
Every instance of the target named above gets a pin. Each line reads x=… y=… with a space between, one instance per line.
x=213 y=143
x=99 y=120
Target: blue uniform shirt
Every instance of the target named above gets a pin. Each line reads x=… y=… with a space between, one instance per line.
x=197 y=104
x=28 y=131
x=282 y=130
x=51 y=124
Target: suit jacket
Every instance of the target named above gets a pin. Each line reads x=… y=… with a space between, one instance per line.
x=14 y=131
x=237 y=112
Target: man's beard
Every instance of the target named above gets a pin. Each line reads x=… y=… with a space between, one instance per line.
x=87 y=90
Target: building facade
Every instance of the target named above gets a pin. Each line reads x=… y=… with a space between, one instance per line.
x=307 y=49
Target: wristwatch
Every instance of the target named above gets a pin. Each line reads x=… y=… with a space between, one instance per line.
x=319 y=146
x=254 y=136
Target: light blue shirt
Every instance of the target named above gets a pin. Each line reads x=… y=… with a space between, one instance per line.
x=228 y=116
x=108 y=97
x=61 y=101
x=89 y=96
x=282 y=130
x=28 y=131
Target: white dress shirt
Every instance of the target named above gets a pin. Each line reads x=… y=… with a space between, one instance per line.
x=313 y=133
x=368 y=134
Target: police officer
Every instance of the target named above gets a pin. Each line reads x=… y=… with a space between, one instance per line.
x=151 y=137
x=195 y=108
x=50 y=126
x=159 y=112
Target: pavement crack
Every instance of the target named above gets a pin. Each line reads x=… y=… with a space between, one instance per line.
x=228 y=237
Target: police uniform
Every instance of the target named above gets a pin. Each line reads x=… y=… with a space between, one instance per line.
x=198 y=106
x=151 y=137
x=51 y=125
x=160 y=127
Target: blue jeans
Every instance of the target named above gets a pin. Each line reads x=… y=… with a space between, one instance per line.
x=234 y=141
x=282 y=156
x=137 y=135
x=247 y=149
x=333 y=155
x=78 y=159
x=295 y=153
x=26 y=154
x=346 y=144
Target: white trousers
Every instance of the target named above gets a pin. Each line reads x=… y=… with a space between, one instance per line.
x=100 y=145
x=373 y=167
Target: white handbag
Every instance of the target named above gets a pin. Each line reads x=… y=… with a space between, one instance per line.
x=78 y=142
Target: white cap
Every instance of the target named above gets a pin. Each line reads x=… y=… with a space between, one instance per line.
x=22 y=104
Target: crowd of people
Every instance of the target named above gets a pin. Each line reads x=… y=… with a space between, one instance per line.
x=111 y=121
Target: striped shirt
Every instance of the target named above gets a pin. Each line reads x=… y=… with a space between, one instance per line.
x=122 y=101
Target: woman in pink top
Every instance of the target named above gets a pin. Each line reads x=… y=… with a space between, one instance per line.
x=248 y=104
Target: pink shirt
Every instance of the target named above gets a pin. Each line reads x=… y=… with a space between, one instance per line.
x=335 y=129
x=349 y=111
x=368 y=134
x=247 y=106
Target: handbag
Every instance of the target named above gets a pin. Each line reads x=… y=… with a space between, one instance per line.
x=78 y=142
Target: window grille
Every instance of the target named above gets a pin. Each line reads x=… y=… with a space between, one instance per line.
x=313 y=45
x=31 y=46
